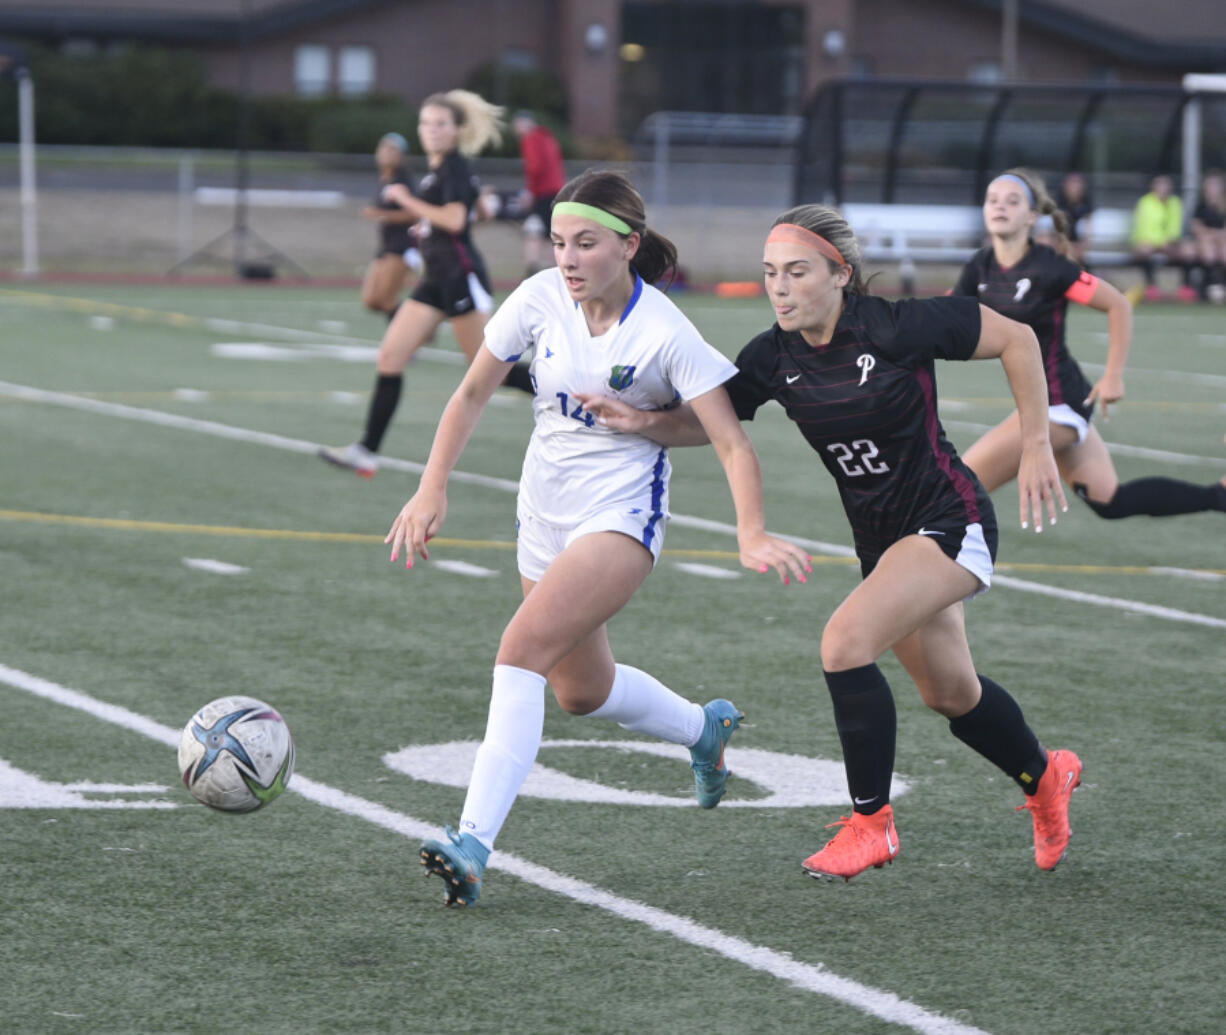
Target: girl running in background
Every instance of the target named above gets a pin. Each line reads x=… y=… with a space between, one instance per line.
x=397 y=252
x=855 y=374
x=1033 y=284
x=455 y=286
x=593 y=503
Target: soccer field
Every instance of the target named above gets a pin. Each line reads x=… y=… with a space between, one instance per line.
x=167 y=537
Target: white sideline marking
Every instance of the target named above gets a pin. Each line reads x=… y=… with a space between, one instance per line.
x=464 y=568
x=1183 y=376
x=808 y=977
x=1187 y=573
x=1119 y=448
x=297 y=445
x=191 y=395
x=216 y=567
x=706 y=571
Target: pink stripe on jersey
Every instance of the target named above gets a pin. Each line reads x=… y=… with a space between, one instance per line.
x=1051 y=362
x=932 y=428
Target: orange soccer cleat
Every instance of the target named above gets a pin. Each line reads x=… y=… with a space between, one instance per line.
x=862 y=842
x=1049 y=807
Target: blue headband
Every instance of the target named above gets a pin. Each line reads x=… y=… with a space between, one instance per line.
x=1021 y=183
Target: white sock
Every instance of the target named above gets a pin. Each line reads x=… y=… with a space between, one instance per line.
x=512 y=739
x=640 y=702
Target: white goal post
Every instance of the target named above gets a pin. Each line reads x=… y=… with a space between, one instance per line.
x=1194 y=83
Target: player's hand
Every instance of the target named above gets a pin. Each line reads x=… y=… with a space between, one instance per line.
x=417 y=523
x=614 y=414
x=1108 y=390
x=761 y=552
x=1038 y=485
x=397 y=194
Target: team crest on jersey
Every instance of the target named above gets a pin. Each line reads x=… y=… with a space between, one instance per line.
x=1023 y=286
x=865 y=362
x=621 y=378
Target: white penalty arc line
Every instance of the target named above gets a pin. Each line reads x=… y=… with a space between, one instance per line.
x=808 y=977
x=296 y=445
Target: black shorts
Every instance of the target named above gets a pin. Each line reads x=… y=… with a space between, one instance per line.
x=542 y=208
x=973 y=546
x=456 y=294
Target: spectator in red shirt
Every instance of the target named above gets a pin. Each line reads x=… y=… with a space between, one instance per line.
x=544 y=175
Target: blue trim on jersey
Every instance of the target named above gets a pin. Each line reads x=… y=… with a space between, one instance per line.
x=635 y=295
x=513 y=359
x=657 y=496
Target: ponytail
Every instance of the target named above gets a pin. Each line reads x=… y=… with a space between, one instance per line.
x=657 y=255
x=1044 y=205
x=479 y=122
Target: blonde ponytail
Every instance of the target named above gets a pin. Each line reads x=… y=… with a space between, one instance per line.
x=480 y=123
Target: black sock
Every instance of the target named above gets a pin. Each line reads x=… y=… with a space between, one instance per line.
x=867 y=723
x=391 y=313
x=996 y=728
x=1157 y=497
x=382 y=407
x=519 y=377
x=1149 y=268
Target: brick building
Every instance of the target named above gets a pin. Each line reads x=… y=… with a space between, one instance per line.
x=620 y=60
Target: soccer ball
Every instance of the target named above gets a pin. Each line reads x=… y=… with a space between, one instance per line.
x=236 y=754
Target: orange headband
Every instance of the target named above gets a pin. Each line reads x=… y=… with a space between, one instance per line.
x=790 y=233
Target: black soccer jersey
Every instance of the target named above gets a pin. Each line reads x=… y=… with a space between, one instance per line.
x=1033 y=293
x=394 y=237
x=447 y=254
x=867 y=404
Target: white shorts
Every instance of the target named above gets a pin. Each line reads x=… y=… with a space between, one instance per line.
x=1065 y=415
x=976 y=557
x=537 y=543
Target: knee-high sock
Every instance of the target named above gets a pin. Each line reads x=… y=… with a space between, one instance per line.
x=512 y=739
x=868 y=727
x=1157 y=497
x=996 y=728
x=382 y=407
x=638 y=701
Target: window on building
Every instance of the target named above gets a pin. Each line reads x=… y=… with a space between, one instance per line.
x=312 y=69
x=355 y=71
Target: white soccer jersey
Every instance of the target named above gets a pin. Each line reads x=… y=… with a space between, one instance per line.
x=652 y=358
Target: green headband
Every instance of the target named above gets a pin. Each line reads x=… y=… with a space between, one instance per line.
x=596 y=215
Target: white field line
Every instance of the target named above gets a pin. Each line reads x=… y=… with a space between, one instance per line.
x=808 y=977
x=1119 y=448
x=295 y=445
x=216 y=567
x=1182 y=376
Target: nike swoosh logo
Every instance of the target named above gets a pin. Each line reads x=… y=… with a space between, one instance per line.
x=929 y=531
x=1067 y=780
x=793 y=379
x=890 y=844
x=864 y=801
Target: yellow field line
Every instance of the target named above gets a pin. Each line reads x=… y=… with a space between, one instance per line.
x=299 y=535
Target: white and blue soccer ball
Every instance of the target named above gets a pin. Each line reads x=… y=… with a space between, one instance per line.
x=236 y=754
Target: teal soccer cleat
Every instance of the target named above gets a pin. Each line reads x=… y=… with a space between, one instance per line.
x=460 y=861
x=721 y=718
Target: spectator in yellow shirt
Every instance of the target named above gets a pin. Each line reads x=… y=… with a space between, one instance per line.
x=1157 y=234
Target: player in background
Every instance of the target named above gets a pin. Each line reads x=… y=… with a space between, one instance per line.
x=1208 y=226
x=856 y=375
x=593 y=504
x=1033 y=283
x=451 y=127
x=544 y=175
x=397 y=251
